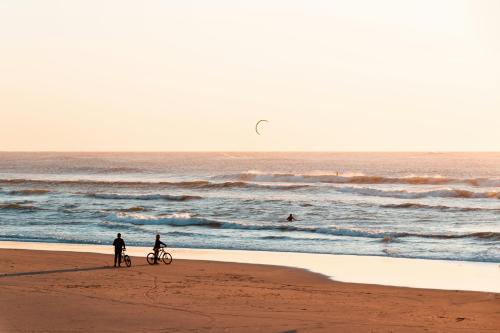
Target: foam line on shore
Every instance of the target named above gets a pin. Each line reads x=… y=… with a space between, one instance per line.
x=413 y=273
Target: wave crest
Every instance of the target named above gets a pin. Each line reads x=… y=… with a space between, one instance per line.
x=34 y=191
x=134 y=209
x=112 y=196
x=404 y=194
x=17 y=206
x=413 y=205
x=195 y=184
x=178 y=219
x=359 y=179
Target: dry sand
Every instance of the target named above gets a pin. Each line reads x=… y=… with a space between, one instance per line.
x=42 y=291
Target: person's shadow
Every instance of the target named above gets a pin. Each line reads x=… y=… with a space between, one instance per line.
x=68 y=270
x=56 y=271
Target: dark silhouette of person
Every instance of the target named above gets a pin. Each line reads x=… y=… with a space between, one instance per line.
x=291 y=218
x=156 y=248
x=119 y=245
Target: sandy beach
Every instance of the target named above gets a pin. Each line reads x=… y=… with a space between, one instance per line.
x=308 y=166
x=46 y=291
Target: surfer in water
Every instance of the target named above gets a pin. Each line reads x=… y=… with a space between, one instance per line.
x=291 y=218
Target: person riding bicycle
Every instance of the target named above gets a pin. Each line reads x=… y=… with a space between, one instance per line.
x=119 y=245
x=156 y=248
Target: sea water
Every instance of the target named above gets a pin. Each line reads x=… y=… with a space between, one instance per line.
x=409 y=205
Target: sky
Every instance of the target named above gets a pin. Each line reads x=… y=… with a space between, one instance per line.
x=353 y=75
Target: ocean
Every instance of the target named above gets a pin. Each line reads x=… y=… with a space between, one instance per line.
x=408 y=205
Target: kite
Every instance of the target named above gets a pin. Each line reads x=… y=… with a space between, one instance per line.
x=257 y=125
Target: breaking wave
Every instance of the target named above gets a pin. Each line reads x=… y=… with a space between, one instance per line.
x=179 y=219
x=186 y=219
x=358 y=179
x=412 y=205
x=167 y=197
x=203 y=184
x=29 y=192
x=134 y=209
x=196 y=184
x=403 y=194
x=17 y=206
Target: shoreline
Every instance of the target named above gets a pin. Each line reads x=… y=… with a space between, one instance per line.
x=371 y=270
x=77 y=243
x=49 y=291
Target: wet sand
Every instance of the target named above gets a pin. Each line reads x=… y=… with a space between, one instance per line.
x=45 y=291
x=387 y=271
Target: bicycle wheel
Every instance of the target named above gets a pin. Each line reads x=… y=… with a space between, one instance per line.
x=127 y=260
x=167 y=258
x=151 y=258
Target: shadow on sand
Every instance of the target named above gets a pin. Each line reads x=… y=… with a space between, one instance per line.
x=68 y=270
x=56 y=271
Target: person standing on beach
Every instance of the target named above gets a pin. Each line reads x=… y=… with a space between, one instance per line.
x=156 y=248
x=119 y=245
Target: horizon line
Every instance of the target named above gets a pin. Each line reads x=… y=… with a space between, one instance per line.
x=253 y=151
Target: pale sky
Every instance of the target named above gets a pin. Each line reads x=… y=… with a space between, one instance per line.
x=385 y=75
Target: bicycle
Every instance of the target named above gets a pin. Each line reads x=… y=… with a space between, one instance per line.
x=126 y=258
x=162 y=256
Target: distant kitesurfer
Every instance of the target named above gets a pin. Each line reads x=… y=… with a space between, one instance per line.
x=291 y=218
x=119 y=245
